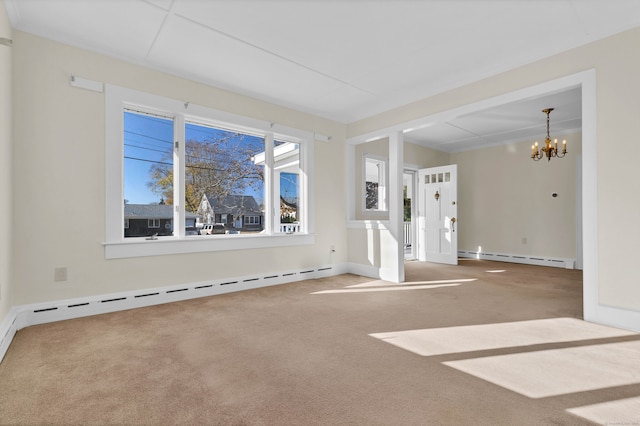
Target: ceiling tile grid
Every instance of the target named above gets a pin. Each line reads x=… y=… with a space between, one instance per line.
x=342 y=60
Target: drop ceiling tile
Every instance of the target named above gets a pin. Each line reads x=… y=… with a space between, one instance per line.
x=464 y=144
x=439 y=133
x=229 y=63
x=123 y=29
x=164 y=4
x=340 y=39
x=591 y=16
x=342 y=102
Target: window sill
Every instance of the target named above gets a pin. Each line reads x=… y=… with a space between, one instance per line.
x=141 y=247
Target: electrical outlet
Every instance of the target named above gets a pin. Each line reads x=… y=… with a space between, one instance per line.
x=60 y=274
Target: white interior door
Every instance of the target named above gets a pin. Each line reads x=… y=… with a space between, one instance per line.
x=437 y=214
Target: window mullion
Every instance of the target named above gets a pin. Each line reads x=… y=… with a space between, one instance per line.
x=179 y=176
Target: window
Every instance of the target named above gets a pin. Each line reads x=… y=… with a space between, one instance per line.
x=252 y=220
x=374 y=183
x=287 y=171
x=220 y=165
x=186 y=164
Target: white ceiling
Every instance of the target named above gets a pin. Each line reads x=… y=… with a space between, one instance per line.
x=513 y=122
x=343 y=60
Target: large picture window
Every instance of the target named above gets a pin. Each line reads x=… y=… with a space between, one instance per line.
x=205 y=179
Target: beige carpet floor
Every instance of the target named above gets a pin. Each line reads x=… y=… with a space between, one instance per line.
x=484 y=343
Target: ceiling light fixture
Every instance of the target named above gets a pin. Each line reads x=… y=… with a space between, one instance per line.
x=548 y=150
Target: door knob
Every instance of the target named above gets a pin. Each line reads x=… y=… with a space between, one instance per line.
x=453 y=224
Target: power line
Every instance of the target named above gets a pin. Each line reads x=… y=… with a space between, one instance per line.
x=147 y=149
x=148 y=161
x=149 y=137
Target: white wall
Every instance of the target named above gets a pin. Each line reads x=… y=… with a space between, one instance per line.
x=616 y=126
x=5 y=166
x=505 y=197
x=59 y=180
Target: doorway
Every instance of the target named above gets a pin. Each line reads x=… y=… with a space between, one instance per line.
x=437 y=214
x=409 y=228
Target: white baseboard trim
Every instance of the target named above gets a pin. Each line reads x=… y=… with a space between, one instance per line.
x=26 y=315
x=615 y=317
x=8 y=329
x=363 y=270
x=556 y=262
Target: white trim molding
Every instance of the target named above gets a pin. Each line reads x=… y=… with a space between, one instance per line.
x=118 y=99
x=556 y=262
x=139 y=247
x=364 y=270
x=8 y=329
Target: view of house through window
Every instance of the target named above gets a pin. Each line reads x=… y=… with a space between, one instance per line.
x=148 y=161
x=223 y=185
x=287 y=169
x=224 y=179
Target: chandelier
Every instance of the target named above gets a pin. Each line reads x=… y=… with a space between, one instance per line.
x=549 y=150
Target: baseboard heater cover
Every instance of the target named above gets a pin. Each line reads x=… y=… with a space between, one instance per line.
x=517 y=258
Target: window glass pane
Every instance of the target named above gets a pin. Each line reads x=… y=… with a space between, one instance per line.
x=223 y=182
x=148 y=174
x=286 y=160
x=374 y=184
x=447 y=177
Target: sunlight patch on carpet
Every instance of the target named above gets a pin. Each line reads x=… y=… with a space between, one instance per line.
x=381 y=283
x=447 y=340
x=620 y=412
x=556 y=372
x=398 y=287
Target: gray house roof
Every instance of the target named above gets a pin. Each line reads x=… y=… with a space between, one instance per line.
x=152 y=211
x=237 y=205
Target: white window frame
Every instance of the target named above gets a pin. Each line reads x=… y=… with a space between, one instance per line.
x=381 y=162
x=117 y=99
x=151 y=223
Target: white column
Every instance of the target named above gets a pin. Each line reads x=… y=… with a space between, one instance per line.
x=351 y=179
x=393 y=250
